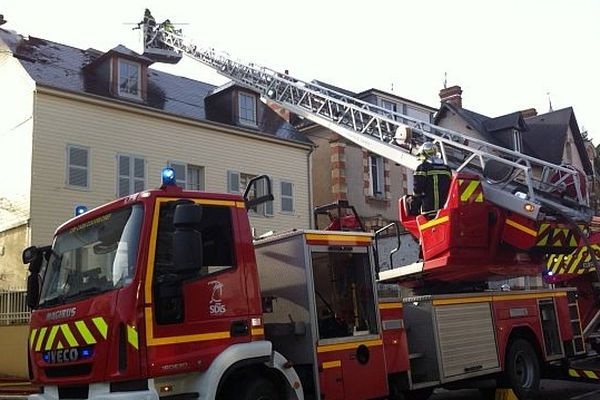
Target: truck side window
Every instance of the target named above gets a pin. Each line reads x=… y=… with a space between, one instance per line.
x=343 y=294
x=217 y=239
x=218 y=255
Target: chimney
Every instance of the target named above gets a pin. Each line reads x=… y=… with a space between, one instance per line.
x=530 y=112
x=452 y=95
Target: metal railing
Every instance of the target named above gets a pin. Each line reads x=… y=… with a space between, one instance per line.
x=13 y=307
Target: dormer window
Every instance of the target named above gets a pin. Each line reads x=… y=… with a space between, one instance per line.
x=129 y=79
x=247 y=109
x=517 y=141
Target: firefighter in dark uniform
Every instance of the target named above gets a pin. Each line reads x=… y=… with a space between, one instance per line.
x=431 y=181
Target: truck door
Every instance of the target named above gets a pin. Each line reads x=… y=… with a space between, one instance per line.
x=349 y=347
x=192 y=315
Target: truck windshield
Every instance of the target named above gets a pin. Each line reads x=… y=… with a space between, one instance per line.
x=94 y=257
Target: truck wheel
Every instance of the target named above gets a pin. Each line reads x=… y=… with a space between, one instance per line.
x=522 y=369
x=258 y=389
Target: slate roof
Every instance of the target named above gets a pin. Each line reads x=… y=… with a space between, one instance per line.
x=543 y=135
x=63 y=67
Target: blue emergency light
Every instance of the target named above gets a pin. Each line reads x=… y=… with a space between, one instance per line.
x=80 y=209
x=168 y=176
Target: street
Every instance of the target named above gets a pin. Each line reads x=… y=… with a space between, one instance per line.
x=551 y=390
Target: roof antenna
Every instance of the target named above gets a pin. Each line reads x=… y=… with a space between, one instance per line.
x=392 y=87
x=549 y=102
x=2 y=20
x=445 y=80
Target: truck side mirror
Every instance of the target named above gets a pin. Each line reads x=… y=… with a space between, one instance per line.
x=29 y=254
x=33 y=290
x=187 y=239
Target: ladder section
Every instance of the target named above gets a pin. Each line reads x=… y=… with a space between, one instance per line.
x=576 y=346
x=512 y=180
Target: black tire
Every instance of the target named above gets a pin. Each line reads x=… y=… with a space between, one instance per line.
x=522 y=369
x=421 y=394
x=257 y=389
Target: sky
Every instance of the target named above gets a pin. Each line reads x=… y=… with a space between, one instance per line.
x=507 y=55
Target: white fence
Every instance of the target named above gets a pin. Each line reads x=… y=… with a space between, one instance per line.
x=13 y=308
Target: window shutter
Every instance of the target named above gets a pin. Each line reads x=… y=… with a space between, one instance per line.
x=78 y=166
x=139 y=174
x=233 y=182
x=124 y=177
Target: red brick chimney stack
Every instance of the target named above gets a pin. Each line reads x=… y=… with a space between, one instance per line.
x=530 y=112
x=452 y=95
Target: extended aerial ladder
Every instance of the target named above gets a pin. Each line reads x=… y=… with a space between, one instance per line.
x=540 y=202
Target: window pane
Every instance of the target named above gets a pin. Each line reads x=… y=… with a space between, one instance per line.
x=247 y=108
x=286 y=189
x=179 y=174
x=195 y=177
x=287 y=204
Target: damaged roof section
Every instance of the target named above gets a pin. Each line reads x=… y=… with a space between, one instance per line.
x=75 y=70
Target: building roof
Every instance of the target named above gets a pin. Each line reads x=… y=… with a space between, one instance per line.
x=543 y=136
x=63 y=67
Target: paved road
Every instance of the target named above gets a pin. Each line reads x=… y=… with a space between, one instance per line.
x=551 y=390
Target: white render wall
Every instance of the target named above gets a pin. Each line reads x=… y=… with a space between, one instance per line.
x=16 y=125
x=107 y=130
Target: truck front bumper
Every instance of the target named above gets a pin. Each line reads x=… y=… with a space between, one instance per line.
x=99 y=391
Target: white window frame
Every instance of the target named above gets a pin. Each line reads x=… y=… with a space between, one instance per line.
x=265 y=209
x=86 y=168
x=131 y=176
x=121 y=61
x=185 y=182
x=290 y=197
x=379 y=191
x=243 y=121
x=517 y=142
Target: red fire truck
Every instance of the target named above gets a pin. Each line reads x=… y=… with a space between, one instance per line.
x=165 y=294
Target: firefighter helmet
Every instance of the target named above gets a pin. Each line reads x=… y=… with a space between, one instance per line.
x=427 y=149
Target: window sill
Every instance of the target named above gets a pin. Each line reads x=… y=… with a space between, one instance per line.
x=78 y=188
x=377 y=200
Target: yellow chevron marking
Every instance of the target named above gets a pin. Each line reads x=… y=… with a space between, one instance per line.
x=573 y=373
x=434 y=222
x=590 y=374
x=479 y=198
x=464 y=196
x=51 y=337
x=32 y=337
x=69 y=335
x=40 y=339
x=85 y=332
x=101 y=325
x=132 y=336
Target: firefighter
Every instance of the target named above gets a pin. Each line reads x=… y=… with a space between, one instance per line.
x=431 y=182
